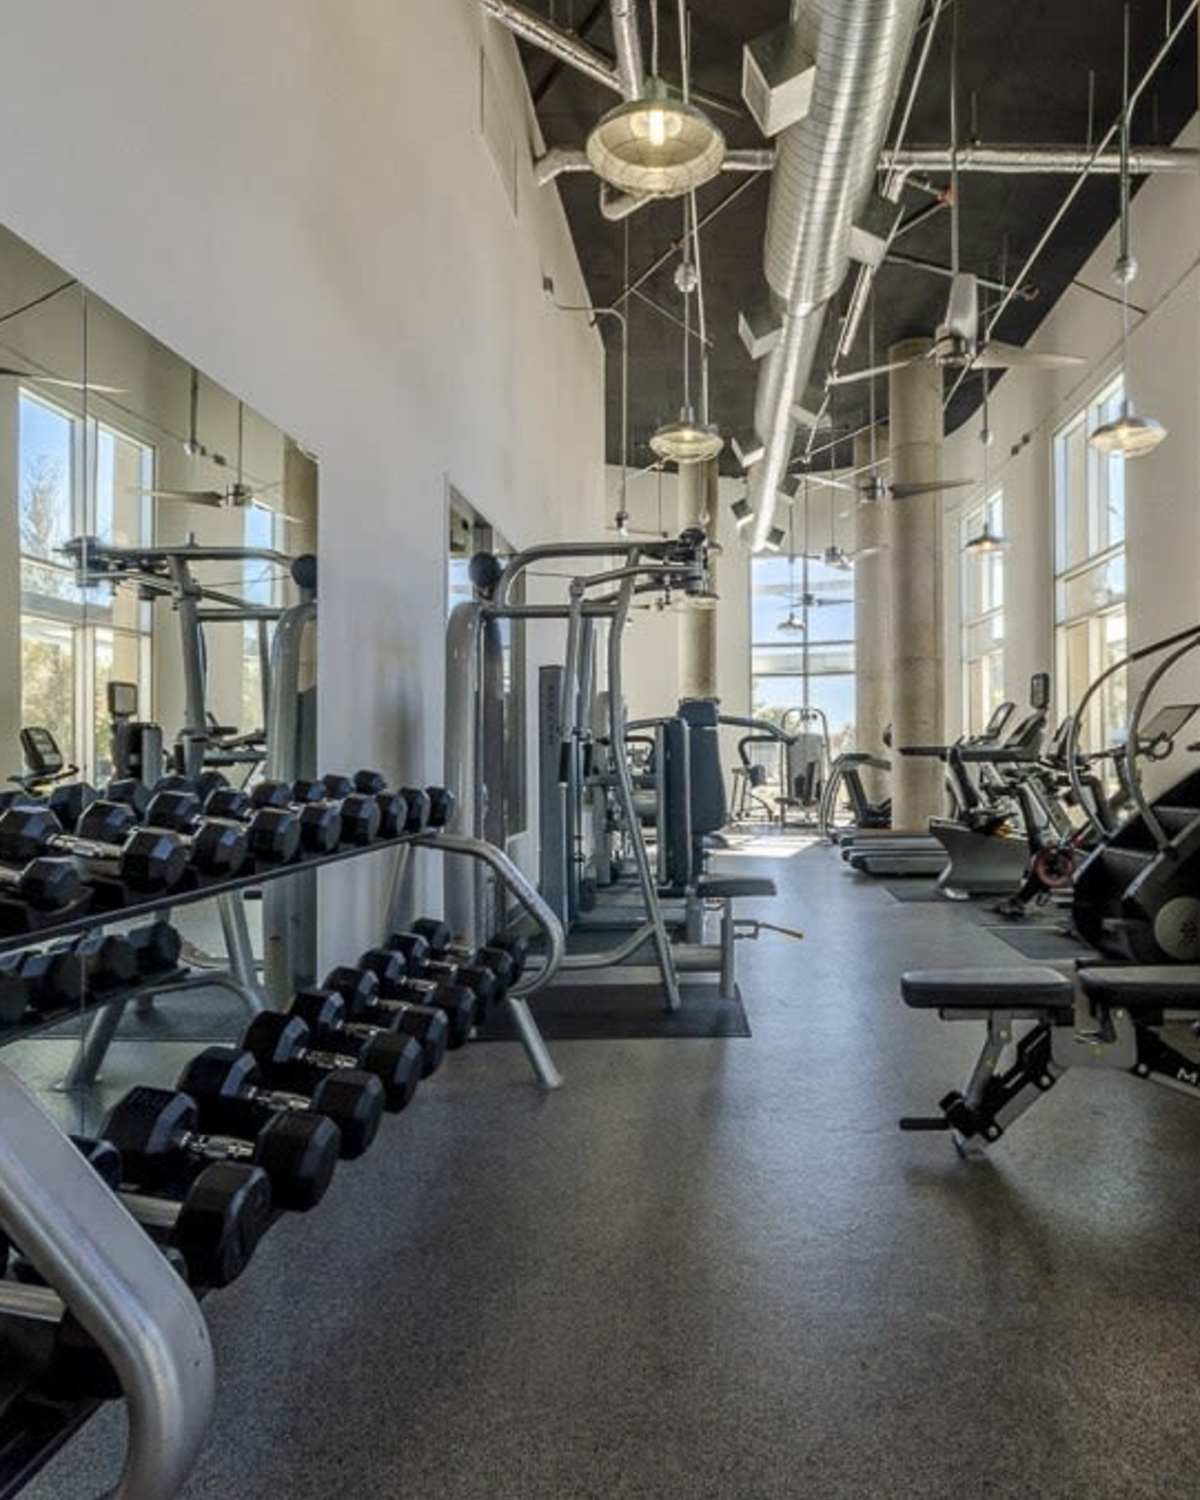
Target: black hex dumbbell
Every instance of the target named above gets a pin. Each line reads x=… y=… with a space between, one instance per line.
x=215 y=847
x=130 y=790
x=156 y=946
x=361 y=813
x=227 y=1085
x=395 y=1058
x=393 y=808
x=424 y=966
x=464 y=992
x=375 y=1001
x=157 y=1133
x=440 y=939
x=216 y=1226
x=201 y=785
x=272 y=828
x=91 y=964
x=46 y=882
x=397 y=984
x=69 y=800
x=107 y=844
x=291 y=1055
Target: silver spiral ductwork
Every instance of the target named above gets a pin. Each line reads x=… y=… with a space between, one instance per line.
x=824 y=172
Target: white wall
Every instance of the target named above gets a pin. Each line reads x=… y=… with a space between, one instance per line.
x=296 y=196
x=1163 y=379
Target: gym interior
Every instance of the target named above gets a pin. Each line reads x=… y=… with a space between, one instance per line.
x=599 y=702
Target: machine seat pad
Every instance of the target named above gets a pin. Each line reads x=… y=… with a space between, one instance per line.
x=1012 y=988
x=731 y=887
x=1152 y=987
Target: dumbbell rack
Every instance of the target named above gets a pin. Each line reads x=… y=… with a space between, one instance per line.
x=105 y=1268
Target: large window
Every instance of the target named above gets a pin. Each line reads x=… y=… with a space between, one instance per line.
x=74 y=640
x=982 y=613
x=1089 y=586
x=811 y=666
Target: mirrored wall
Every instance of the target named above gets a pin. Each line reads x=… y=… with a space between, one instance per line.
x=150 y=527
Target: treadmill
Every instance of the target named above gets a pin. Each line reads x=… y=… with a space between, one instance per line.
x=891 y=852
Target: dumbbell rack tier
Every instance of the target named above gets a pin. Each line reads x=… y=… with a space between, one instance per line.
x=34 y=1022
x=88 y=1245
x=111 y=901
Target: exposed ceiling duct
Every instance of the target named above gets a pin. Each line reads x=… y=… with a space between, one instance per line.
x=631 y=70
x=824 y=174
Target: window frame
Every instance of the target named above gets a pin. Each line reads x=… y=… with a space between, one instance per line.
x=90 y=613
x=990 y=509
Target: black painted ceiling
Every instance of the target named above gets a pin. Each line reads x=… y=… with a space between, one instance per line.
x=1023 y=77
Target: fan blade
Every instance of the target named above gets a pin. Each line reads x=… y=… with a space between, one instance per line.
x=853 y=557
x=271 y=511
x=200 y=497
x=915 y=487
x=71 y=385
x=872 y=371
x=997 y=356
x=826 y=482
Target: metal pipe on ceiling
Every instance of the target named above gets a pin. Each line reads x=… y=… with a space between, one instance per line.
x=559 y=43
x=1038 y=160
x=824 y=173
x=631 y=71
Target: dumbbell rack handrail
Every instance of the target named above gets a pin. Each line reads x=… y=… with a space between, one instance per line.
x=120 y=1288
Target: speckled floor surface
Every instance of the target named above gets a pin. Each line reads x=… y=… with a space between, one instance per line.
x=716 y=1269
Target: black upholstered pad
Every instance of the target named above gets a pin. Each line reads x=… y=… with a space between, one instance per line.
x=1145 y=987
x=730 y=887
x=1011 y=988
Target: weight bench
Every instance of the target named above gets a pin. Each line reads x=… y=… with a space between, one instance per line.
x=1107 y=1018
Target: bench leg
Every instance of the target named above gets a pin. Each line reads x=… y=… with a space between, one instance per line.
x=728 y=966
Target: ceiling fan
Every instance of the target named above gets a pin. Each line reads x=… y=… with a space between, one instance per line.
x=957 y=340
x=236 y=496
x=837 y=557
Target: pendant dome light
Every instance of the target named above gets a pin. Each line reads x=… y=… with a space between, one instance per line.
x=988 y=542
x=657 y=146
x=1127 y=434
x=690 y=440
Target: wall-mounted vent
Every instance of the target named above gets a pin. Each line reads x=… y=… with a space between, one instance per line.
x=493 y=124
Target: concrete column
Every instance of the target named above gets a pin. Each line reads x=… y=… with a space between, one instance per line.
x=915 y=569
x=698 y=627
x=872 y=624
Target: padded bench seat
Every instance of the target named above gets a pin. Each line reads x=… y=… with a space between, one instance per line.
x=1014 y=988
x=1147 y=987
x=732 y=887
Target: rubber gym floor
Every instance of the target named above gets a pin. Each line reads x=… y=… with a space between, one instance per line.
x=714 y=1268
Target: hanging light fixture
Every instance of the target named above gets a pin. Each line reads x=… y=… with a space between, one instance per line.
x=691 y=440
x=988 y=541
x=774 y=539
x=656 y=146
x=1127 y=434
x=743 y=513
x=687 y=441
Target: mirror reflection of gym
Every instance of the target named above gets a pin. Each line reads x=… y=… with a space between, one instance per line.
x=157 y=548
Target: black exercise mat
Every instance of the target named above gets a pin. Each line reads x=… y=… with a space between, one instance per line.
x=1043 y=946
x=625 y=1012
x=208 y=1015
